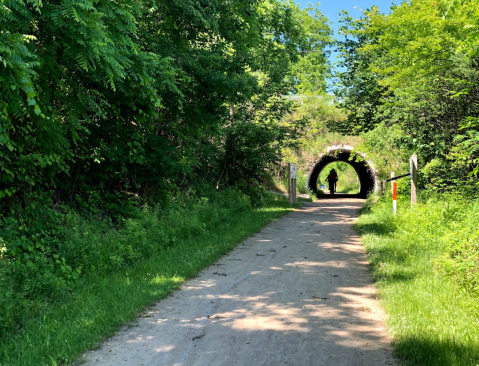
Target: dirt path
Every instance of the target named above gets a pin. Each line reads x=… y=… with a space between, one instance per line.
x=297 y=293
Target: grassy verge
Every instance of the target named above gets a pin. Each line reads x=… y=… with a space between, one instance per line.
x=417 y=259
x=94 y=309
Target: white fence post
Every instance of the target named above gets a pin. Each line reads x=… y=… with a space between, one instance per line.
x=395 y=193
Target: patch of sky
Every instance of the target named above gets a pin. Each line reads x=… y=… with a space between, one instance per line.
x=331 y=9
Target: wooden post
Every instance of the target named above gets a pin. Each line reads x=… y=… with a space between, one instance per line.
x=292 y=183
x=289 y=182
x=413 y=172
x=392 y=176
x=294 y=188
x=383 y=187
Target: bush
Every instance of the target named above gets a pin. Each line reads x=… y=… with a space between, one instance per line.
x=445 y=226
x=45 y=251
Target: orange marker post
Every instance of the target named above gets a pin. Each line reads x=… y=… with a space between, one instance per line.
x=395 y=194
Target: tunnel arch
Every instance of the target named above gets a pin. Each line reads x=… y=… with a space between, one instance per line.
x=365 y=170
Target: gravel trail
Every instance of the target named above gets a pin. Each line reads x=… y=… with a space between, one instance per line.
x=296 y=293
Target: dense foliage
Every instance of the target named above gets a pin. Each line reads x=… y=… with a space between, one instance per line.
x=131 y=96
x=417 y=69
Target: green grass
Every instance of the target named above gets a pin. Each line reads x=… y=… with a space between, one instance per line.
x=433 y=315
x=96 y=308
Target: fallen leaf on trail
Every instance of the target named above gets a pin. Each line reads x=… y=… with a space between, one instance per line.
x=320 y=298
x=260 y=255
x=197 y=337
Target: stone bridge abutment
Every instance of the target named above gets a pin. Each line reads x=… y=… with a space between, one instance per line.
x=367 y=174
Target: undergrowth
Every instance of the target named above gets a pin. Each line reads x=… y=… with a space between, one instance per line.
x=69 y=281
x=425 y=261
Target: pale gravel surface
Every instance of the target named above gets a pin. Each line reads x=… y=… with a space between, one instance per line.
x=297 y=293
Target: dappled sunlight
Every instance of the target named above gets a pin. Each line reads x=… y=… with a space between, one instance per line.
x=202 y=284
x=305 y=264
x=165 y=349
x=309 y=264
x=307 y=291
x=262 y=323
x=161 y=279
x=328 y=223
x=238 y=297
x=270 y=317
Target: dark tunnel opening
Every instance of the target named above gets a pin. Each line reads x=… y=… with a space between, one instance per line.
x=367 y=178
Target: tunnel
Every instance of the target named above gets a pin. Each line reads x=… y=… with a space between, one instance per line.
x=364 y=169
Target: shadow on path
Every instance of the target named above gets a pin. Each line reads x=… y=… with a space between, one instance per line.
x=297 y=293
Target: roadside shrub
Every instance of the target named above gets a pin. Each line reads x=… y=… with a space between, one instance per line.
x=45 y=251
x=445 y=226
x=460 y=258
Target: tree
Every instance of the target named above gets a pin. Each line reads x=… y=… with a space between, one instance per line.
x=357 y=89
x=429 y=84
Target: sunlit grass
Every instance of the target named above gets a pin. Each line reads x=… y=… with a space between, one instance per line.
x=432 y=320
